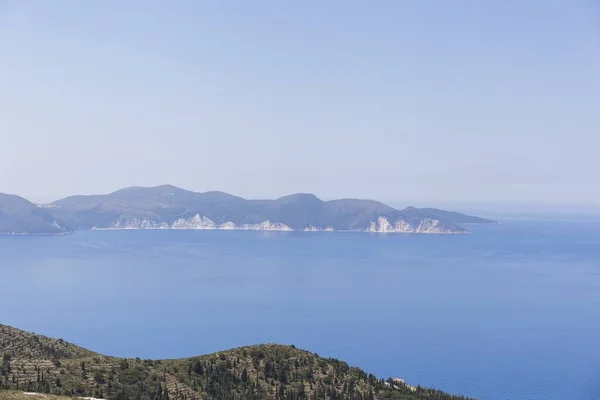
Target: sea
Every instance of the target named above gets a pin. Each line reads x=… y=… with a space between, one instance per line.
x=511 y=311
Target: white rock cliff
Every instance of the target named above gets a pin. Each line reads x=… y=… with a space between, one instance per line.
x=427 y=225
x=196 y=222
x=381 y=225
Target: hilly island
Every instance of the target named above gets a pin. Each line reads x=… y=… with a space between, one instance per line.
x=33 y=363
x=169 y=207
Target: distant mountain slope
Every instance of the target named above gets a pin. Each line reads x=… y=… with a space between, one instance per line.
x=18 y=215
x=169 y=207
x=166 y=206
x=453 y=217
x=35 y=363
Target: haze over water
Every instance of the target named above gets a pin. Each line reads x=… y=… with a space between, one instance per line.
x=509 y=312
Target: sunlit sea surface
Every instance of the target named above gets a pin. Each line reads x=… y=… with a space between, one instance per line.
x=511 y=311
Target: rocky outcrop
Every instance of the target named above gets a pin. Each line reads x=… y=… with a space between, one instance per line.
x=135 y=223
x=425 y=225
x=196 y=222
x=266 y=226
x=313 y=228
x=199 y=222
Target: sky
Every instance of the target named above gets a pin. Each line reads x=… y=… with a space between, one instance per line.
x=418 y=101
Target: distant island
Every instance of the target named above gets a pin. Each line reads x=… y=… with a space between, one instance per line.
x=169 y=207
x=31 y=364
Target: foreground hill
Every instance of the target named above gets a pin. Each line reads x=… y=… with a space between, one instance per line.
x=35 y=363
x=16 y=395
x=169 y=207
x=18 y=215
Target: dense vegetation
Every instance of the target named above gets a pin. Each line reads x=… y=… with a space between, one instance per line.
x=35 y=363
x=16 y=395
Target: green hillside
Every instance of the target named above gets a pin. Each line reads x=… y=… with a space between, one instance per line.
x=15 y=395
x=34 y=363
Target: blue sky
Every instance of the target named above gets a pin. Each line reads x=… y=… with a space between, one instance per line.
x=423 y=102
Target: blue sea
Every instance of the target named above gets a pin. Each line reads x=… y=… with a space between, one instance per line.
x=511 y=311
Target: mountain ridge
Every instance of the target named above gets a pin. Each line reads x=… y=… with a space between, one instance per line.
x=170 y=207
x=18 y=215
x=36 y=363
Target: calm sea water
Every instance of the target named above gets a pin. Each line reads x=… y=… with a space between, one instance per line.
x=509 y=312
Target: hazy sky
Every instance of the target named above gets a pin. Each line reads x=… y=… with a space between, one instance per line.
x=417 y=101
